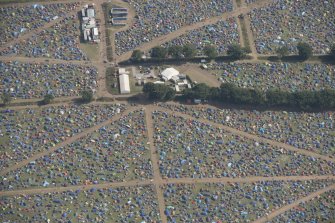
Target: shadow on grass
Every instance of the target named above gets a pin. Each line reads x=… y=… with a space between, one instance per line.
x=325 y=59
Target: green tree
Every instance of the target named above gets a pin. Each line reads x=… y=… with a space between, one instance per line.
x=87 y=96
x=210 y=51
x=169 y=94
x=236 y=52
x=326 y=99
x=6 y=98
x=188 y=93
x=175 y=51
x=137 y=55
x=158 y=92
x=201 y=91
x=148 y=88
x=277 y=97
x=332 y=51
x=282 y=52
x=214 y=93
x=48 y=98
x=306 y=100
x=305 y=50
x=189 y=51
x=227 y=91
x=158 y=52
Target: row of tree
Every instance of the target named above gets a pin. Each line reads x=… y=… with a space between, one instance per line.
x=229 y=93
x=86 y=97
x=189 y=51
x=234 y=51
x=159 y=92
x=305 y=51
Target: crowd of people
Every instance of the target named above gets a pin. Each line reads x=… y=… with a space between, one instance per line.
x=29 y=80
x=309 y=131
x=234 y=202
x=188 y=148
x=156 y=18
x=16 y=21
x=286 y=23
x=286 y=76
x=120 y=205
x=26 y=132
x=61 y=41
x=221 y=35
x=321 y=209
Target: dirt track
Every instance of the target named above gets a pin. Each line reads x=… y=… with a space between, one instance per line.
x=154 y=160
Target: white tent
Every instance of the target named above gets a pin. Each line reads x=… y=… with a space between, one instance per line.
x=124 y=84
x=168 y=73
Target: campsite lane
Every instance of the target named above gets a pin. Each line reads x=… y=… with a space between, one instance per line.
x=164 y=182
x=154 y=159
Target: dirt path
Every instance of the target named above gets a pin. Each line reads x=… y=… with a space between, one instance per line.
x=294 y=204
x=185 y=29
x=250 y=35
x=100 y=64
x=73 y=188
x=250 y=136
x=65 y=103
x=234 y=5
x=44 y=60
x=245 y=179
x=164 y=182
x=154 y=160
x=38 y=30
x=240 y=33
x=66 y=142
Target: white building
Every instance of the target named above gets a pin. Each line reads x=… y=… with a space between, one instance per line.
x=124 y=84
x=90 y=13
x=123 y=71
x=89 y=25
x=168 y=73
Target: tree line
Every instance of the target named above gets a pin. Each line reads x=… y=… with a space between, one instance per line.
x=189 y=51
x=234 y=51
x=229 y=93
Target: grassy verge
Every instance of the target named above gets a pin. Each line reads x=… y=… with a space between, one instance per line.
x=238 y=3
x=109 y=47
x=91 y=50
x=325 y=59
x=133 y=87
x=244 y=33
x=111 y=80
